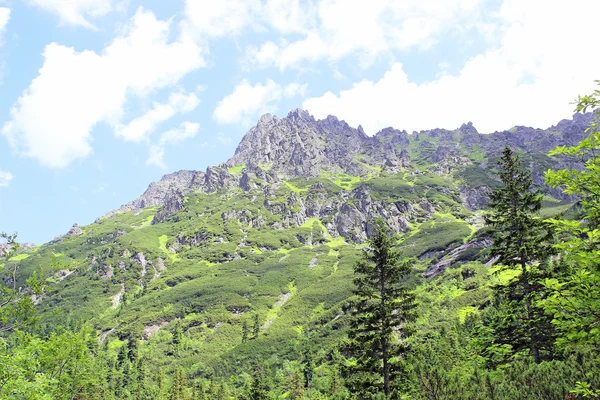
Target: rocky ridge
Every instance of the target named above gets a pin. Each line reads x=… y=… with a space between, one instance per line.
x=278 y=151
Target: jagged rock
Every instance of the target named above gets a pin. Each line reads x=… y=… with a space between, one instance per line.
x=455 y=254
x=298 y=146
x=449 y=164
x=192 y=240
x=173 y=202
x=75 y=230
x=216 y=179
x=441 y=153
x=246 y=182
x=474 y=198
x=427 y=206
x=468 y=128
x=140 y=259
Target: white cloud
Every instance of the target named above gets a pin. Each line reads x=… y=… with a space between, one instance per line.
x=337 y=28
x=530 y=79
x=74 y=91
x=5 y=178
x=247 y=101
x=220 y=18
x=4 y=18
x=233 y=17
x=186 y=130
x=77 y=12
x=142 y=126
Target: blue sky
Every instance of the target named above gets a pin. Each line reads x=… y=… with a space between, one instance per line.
x=100 y=97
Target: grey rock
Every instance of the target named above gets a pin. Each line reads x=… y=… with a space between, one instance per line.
x=75 y=230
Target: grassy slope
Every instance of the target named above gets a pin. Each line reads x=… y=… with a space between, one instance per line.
x=209 y=290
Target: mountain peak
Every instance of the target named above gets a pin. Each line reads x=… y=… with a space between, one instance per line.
x=468 y=128
x=299 y=113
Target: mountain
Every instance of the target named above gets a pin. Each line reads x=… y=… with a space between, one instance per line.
x=274 y=232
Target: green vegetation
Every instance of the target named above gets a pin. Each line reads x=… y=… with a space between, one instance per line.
x=378 y=327
x=522 y=240
x=252 y=296
x=237 y=169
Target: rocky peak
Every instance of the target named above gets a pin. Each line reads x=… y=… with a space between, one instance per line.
x=298 y=146
x=300 y=114
x=468 y=128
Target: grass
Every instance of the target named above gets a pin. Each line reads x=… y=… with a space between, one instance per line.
x=162 y=242
x=295 y=188
x=236 y=169
x=343 y=180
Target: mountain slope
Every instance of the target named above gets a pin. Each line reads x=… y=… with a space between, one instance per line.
x=275 y=232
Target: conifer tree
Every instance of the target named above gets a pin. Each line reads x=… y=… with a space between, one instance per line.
x=259 y=389
x=178 y=386
x=244 y=332
x=256 y=327
x=199 y=393
x=383 y=308
x=212 y=388
x=522 y=241
x=297 y=386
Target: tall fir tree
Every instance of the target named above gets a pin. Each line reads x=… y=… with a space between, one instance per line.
x=259 y=388
x=379 y=321
x=255 y=327
x=522 y=241
x=296 y=386
x=244 y=332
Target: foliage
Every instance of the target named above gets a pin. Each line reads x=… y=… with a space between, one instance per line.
x=378 y=327
x=575 y=300
x=16 y=303
x=521 y=240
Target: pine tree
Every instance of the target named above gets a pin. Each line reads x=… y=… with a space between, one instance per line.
x=256 y=327
x=524 y=242
x=212 y=388
x=384 y=306
x=178 y=386
x=244 y=332
x=199 y=393
x=259 y=389
x=335 y=388
x=297 y=386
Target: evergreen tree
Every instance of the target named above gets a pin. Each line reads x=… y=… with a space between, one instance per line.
x=122 y=357
x=178 y=386
x=199 y=393
x=297 y=386
x=244 y=332
x=335 y=388
x=212 y=388
x=222 y=392
x=384 y=306
x=522 y=241
x=256 y=327
x=259 y=389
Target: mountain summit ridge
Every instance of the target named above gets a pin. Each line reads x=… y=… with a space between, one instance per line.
x=300 y=146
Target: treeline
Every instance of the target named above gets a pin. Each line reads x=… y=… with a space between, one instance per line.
x=537 y=338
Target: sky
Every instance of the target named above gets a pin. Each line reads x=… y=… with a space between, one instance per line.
x=100 y=97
